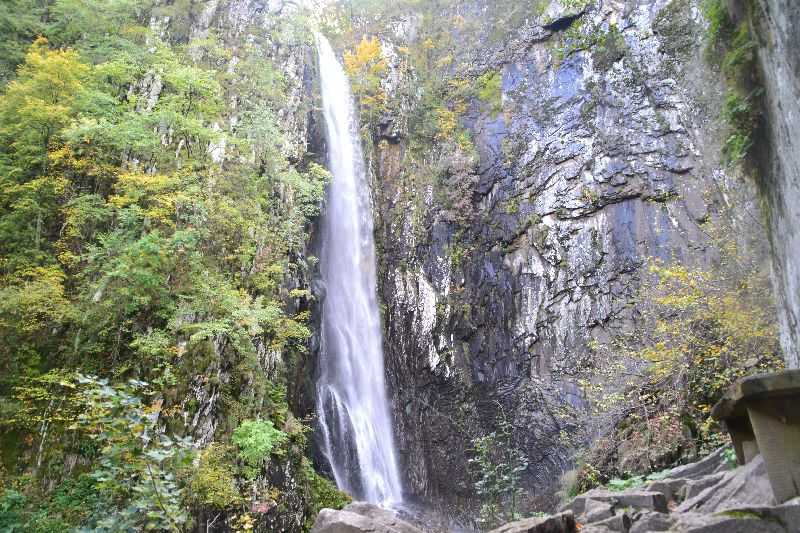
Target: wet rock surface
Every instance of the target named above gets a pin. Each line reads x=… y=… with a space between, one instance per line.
x=777 y=23
x=498 y=287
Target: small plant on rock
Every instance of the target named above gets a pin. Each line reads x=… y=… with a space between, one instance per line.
x=498 y=464
x=256 y=440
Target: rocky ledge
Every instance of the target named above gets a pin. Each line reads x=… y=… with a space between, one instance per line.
x=361 y=517
x=707 y=496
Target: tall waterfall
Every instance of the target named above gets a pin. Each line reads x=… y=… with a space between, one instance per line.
x=355 y=426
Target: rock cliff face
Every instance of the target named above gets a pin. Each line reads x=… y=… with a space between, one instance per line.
x=778 y=28
x=267 y=29
x=597 y=153
x=590 y=149
x=499 y=279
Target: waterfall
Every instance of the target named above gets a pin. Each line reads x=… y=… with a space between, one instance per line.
x=354 y=423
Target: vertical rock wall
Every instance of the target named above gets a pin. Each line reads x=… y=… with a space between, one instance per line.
x=777 y=23
x=601 y=157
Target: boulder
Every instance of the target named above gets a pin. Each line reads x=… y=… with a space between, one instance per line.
x=756 y=519
x=693 y=487
x=669 y=487
x=596 y=510
x=710 y=464
x=620 y=523
x=717 y=500
x=649 y=521
x=560 y=523
x=744 y=486
x=361 y=517
x=636 y=499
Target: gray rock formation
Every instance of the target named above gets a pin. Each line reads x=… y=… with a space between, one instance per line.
x=747 y=485
x=587 y=504
x=500 y=279
x=361 y=517
x=738 y=500
x=780 y=519
x=778 y=28
x=560 y=523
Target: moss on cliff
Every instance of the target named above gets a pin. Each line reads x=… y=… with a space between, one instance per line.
x=732 y=47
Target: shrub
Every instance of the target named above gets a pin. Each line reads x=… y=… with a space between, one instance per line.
x=490 y=91
x=700 y=330
x=137 y=467
x=12 y=505
x=322 y=493
x=213 y=483
x=365 y=67
x=256 y=440
x=733 y=48
x=498 y=465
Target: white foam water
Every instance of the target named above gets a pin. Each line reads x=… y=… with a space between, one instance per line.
x=354 y=419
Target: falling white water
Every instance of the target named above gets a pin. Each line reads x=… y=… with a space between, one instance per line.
x=353 y=410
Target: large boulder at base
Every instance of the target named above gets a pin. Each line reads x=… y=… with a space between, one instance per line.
x=361 y=517
x=560 y=523
x=686 y=481
x=710 y=464
x=715 y=500
x=650 y=521
x=672 y=489
x=757 y=519
x=620 y=523
x=637 y=499
x=693 y=487
x=745 y=486
x=597 y=510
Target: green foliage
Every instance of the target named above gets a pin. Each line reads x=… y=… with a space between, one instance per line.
x=213 y=482
x=619 y=485
x=707 y=329
x=19 y=24
x=609 y=47
x=145 y=236
x=729 y=454
x=720 y=25
x=581 y=479
x=32 y=304
x=702 y=330
x=137 y=465
x=733 y=48
x=738 y=113
x=323 y=493
x=710 y=330
x=365 y=66
x=12 y=506
x=575 y=5
x=36 y=106
x=70 y=505
x=498 y=465
x=257 y=439
x=133 y=483
x=489 y=87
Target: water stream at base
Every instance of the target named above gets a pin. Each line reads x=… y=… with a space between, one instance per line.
x=355 y=425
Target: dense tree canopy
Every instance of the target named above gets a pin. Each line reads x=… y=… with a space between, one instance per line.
x=140 y=239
